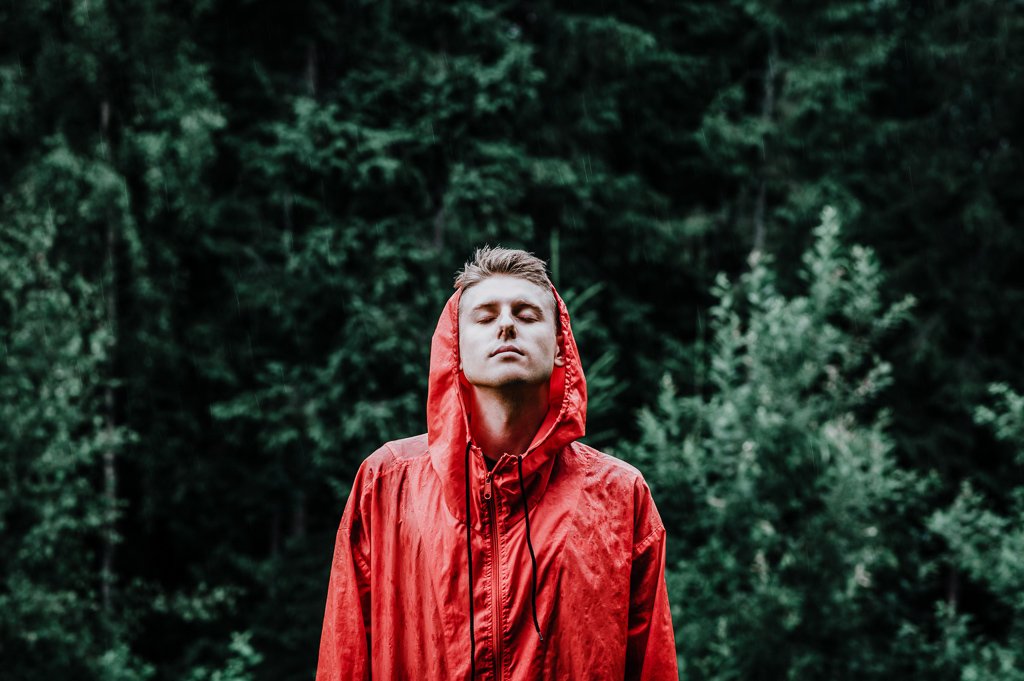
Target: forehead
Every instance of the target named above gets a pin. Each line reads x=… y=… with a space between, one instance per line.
x=502 y=288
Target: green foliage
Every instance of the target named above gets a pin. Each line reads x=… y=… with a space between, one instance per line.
x=1006 y=417
x=249 y=215
x=777 y=483
x=52 y=435
x=987 y=545
x=238 y=666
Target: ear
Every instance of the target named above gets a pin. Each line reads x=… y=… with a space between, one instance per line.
x=560 y=351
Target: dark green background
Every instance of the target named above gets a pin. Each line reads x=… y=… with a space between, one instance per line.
x=228 y=227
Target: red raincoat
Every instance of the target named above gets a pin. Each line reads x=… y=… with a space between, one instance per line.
x=398 y=605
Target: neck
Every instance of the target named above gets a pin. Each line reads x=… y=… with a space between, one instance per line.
x=505 y=420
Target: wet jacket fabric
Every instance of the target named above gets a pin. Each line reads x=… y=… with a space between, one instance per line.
x=398 y=605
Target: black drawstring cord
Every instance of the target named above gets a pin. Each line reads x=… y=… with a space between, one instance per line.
x=529 y=544
x=469 y=554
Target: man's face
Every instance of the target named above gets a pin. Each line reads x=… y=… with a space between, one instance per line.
x=508 y=333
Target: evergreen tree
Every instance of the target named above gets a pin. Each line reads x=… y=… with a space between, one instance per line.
x=258 y=207
x=777 y=483
x=984 y=632
x=57 y=511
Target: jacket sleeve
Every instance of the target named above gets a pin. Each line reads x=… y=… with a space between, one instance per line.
x=345 y=641
x=650 y=642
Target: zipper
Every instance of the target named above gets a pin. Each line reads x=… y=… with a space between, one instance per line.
x=496 y=582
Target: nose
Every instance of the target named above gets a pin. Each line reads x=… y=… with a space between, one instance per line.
x=506 y=325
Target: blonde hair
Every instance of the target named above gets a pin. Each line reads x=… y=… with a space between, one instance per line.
x=488 y=262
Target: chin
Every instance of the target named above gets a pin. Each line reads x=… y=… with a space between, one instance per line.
x=513 y=381
x=517 y=380
x=507 y=380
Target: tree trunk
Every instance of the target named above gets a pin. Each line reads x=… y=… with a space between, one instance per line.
x=767 y=105
x=299 y=515
x=310 y=74
x=953 y=589
x=109 y=399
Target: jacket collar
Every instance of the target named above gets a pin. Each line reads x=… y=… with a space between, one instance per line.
x=448 y=420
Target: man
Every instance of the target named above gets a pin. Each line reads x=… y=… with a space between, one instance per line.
x=497 y=546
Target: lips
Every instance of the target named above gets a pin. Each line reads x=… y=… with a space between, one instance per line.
x=506 y=348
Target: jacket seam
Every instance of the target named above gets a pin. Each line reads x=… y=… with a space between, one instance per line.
x=358 y=555
x=591 y=458
x=356 y=552
x=386 y=469
x=646 y=541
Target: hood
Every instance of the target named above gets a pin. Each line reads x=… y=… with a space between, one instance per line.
x=448 y=415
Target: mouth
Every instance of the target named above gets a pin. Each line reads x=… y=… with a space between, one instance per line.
x=506 y=348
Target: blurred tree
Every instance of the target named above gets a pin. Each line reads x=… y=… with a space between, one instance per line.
x=57 y=512
x=777 y=484
x=272 y=199
x=107 y=135
x=986 y=543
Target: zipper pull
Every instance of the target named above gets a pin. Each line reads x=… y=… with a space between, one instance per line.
x=487 y=488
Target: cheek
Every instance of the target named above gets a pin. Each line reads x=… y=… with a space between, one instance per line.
x=467 y=344
x=462 y=348
x=550 y=346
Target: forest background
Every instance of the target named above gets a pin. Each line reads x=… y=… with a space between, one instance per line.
x=787 y=233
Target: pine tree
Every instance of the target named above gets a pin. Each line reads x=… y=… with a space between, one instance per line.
x=984 y=632
x=56 y=514
x=776 y=482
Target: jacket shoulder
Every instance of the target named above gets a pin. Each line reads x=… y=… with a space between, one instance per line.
x=610 y=468
x=391 y=456
x=627 y=482
x=408 y=448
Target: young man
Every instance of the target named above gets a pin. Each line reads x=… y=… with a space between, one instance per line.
x=496 y=546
